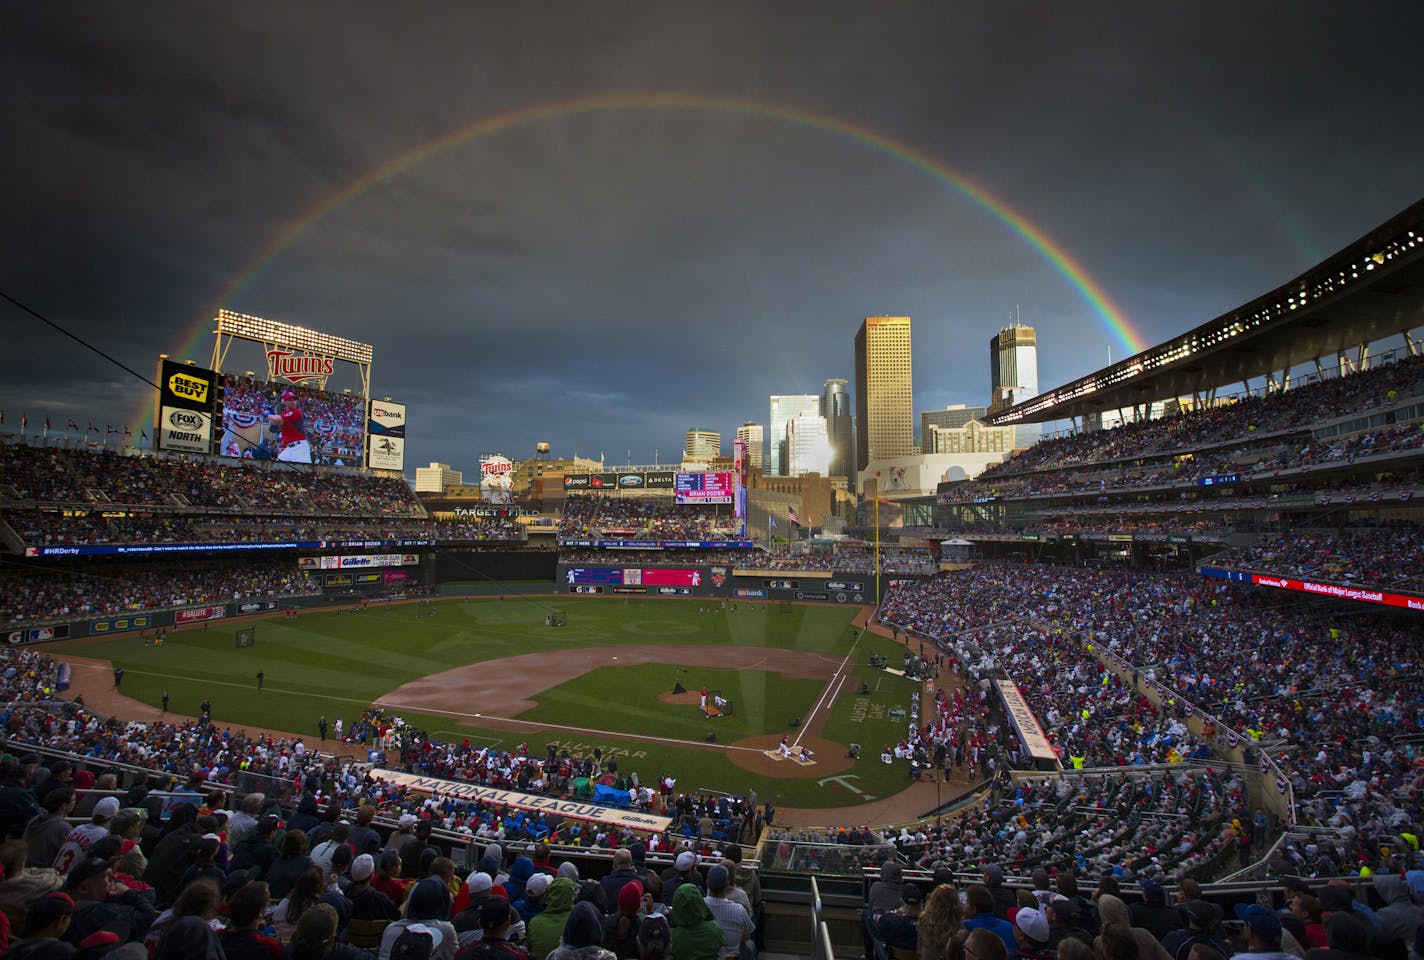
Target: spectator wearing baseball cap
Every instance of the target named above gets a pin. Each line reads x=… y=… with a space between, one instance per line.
x=405 y=830
x=1263 y=933
x=103 y=904
x=477 y=890
x=370 y=908
x=683 y=870
x=1031 y=934
x=48 y=917
x=204 y=862
x=494 y=942
x=534 y=901
x=256 y=852
x=733 y=919
x=1153 y=914
x=1003 y=897
x=1202 y=919
x=427 y=907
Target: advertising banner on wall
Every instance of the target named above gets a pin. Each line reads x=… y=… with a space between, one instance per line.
x=579 y=810
x=385 y=440
x=186 y=397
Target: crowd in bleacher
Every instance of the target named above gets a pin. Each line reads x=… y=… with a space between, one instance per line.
x=677 y=556
x=51 y=475
x=1327 y=692
x=480 y=528
x=309 y=854
x=644 y=518
x=1247 y=463
x=854 y=557
x=1391 y=557
x=1300 y=406
x=44 y=528
x=38 y=594
x=1055 y=914
x=1120 y=824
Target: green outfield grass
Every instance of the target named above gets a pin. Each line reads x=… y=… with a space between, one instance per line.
x=585 y=701
x=336 y=664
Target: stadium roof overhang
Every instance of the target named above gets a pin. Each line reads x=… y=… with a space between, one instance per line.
x=1372 y=289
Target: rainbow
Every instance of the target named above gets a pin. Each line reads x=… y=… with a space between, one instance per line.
x=1090 y=291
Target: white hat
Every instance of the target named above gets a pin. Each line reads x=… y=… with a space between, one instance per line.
x=478 y=882
x=537 y=884
x=685 y=861
x=407 y=821
x=1033 y=923
x=106 y=808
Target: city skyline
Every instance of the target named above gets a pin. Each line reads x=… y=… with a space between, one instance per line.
x=592 y=228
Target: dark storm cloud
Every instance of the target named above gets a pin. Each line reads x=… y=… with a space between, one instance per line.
x=605 y=280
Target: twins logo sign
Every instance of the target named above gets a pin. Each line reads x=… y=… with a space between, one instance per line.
x=298 y=367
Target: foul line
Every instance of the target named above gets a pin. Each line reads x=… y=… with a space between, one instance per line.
x=250 y=686
x=833 y=688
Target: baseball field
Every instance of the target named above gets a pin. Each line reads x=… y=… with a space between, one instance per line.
x=495 y=671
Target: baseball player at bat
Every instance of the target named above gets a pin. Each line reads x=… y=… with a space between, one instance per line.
x=292 y=439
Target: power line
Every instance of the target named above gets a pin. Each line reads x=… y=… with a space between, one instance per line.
x=75 y=337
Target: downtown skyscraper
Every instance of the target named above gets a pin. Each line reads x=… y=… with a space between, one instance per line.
x=884 y=391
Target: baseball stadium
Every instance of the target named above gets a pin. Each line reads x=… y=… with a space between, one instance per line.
x=1175 y=661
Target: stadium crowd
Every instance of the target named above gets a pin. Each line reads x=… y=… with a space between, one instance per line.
x=1385 y=556
x=35 y=595
x=194 y=822
x=1247 y=464
x=39 y=528
x=52 y=475
x=644 y=518
x=852 y=557
x=1327 y=692
x=1381 y=387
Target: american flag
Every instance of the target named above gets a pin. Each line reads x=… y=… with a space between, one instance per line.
x=792 y=515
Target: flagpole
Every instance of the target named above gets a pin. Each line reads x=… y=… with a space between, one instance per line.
x=875 y=493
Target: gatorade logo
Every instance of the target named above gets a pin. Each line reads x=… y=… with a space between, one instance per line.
x=189 y=388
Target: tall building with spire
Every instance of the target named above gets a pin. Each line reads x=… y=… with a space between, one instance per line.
x=884 y=391
x=1013 y=376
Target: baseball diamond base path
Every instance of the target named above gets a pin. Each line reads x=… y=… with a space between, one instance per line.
x=503 y=688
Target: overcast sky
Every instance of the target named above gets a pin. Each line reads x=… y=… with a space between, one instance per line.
x=605 y=274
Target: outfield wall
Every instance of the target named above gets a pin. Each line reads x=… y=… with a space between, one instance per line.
x=188 y=618
x=719 y=580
